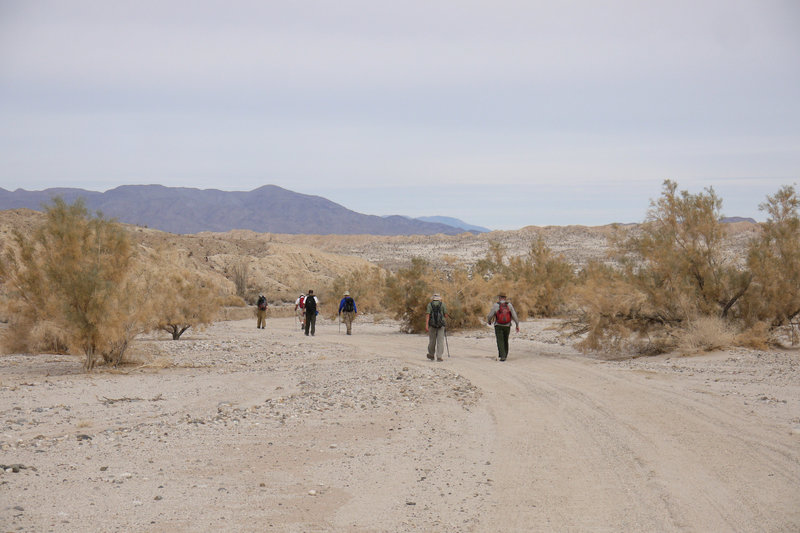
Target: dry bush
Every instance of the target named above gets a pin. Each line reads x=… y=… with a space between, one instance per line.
x=673 y=275
x=407 y=294
x=72 y=272
x=187 y=299
x=704 y=334
x=774 y=260
x=607 y=310
x=755 y=336
x=542 y=280
x=366 y=287
x=241 y=274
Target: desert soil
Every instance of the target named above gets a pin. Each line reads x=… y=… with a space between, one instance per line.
x=238 y=429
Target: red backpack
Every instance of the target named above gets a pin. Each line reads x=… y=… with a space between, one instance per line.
x=302 y=303
x=503 y=314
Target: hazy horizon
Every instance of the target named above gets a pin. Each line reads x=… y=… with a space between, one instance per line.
x=501 y=115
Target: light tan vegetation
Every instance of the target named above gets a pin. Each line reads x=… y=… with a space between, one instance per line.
x=79 y=283
x=676 y=284
x=681 y=279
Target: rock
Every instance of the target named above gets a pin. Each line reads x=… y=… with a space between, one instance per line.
x=312 y=492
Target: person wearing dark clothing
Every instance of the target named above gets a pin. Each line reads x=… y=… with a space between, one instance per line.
x=347 y=311
x=502 y=314
x=311 y=312
x=261 y=312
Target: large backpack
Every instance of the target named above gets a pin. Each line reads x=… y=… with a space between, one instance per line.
x=437 y=316
x=302 y=302
x=503 y=314
x=349 y=305
x=262 y=303
x=311 y=305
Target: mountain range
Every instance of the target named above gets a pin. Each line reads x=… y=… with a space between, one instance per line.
x=267 y=209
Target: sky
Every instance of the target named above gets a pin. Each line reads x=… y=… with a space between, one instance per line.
x=503 y=114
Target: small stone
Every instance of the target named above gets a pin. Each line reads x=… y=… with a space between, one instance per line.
x=103 y=468
x=312 y=492
x=158 y=498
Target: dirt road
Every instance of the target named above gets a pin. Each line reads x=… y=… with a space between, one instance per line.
x=270 y=430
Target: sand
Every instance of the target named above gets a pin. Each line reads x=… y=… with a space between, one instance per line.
x=238 y=429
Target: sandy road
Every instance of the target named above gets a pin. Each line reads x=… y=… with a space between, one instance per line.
x=583 y=446
x=244 y=425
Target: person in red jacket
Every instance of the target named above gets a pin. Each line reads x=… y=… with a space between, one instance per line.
x=502 y=314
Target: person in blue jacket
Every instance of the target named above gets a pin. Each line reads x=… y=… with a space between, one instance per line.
x=347 y=311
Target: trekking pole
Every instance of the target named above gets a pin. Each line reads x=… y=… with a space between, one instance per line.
x=340 y=323
x=446 y=343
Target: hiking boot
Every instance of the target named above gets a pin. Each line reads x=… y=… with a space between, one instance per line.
x=440 y=359
x=429 y=356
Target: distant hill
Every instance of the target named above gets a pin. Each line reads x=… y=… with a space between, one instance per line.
x=268 y=209
x=732 y=220
x=450 y=221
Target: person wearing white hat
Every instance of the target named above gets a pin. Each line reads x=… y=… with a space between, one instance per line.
x=435 y=314
x=347 y=311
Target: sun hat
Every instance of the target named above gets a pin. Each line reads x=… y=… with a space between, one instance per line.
x=436 y=296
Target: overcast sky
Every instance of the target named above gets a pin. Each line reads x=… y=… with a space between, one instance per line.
x=501 y=113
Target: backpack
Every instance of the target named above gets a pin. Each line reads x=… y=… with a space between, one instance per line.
x=302 y=303
x=437 y=317
x=349 y=305
x=310 y=305
x=262 y=303
x=503 y=315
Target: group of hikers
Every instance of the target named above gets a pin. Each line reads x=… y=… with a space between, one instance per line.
x=501 y=315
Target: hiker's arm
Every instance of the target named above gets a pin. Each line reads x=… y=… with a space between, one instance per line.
x=427 y=321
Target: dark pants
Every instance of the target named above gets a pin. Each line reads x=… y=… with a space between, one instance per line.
x=311 y=322
x=502 y=333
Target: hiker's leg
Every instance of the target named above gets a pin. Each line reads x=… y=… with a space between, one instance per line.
x=348 y=321
x=307 y=324
x=501 y=344
x=313 y=320
x=506 y=333
x=439 y=342
x=431 y=342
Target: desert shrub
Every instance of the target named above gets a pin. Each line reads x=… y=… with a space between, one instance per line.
x=366 y=286
x=673 y=276
x=608 y=311
x=241 y=275
x=704 y=334
x=541 y=281
x=72 y=273
x=774 y=261
x=677 y=261
x=186 y=299
x=755 y=336
x=408 y=292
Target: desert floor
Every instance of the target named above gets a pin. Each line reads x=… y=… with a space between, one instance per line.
x=238 y=429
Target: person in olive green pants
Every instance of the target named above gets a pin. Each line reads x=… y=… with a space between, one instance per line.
x=502 y=314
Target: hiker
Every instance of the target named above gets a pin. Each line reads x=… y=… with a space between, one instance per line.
x=261 y=312
x=310 y=306
x=435 y=314
x=502 y=314
x=347 y=311
x=299 y=309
